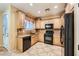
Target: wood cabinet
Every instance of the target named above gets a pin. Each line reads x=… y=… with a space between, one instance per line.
x=20 y=19
x=56 y=40
x=38 y=24
x=24 y=43
x=20 y=44
x=41 y=35
x=34 y=39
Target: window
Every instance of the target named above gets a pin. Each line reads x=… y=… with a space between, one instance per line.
x=29 y=25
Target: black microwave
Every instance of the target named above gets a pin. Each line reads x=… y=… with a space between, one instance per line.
x=48 y=26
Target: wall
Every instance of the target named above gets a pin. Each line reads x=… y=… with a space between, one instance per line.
x=0 y=28
x=76 y=29
x=12 y=29
x=14 y=19
x=57 y=24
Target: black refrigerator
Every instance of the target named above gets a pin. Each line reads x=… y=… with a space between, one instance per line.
x=69 y=34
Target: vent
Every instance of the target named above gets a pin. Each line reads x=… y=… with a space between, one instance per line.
x=48 y=9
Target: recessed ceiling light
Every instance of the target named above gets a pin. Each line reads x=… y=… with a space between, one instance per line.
x=55 y=6
x=39 y=11
x=31 y=4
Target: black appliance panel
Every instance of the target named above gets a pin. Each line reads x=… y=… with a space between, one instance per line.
x=26 y=43
x=48 y=26
x=69 y=35
x=48 y=39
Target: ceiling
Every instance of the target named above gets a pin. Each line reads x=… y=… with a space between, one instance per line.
x=3 y=6
x=38 y=9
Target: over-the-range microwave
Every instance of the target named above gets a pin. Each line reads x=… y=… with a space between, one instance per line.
x=48 y=26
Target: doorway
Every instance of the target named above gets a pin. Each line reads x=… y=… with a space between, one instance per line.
x=5 y=30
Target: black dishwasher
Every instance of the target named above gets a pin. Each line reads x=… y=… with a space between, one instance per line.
x=26 y=43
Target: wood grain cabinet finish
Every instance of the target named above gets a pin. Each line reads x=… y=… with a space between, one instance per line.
x=20 y=19
x=20 y=44
x=34 y=39
x=38 y=24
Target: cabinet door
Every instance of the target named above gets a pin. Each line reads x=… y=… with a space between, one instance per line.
x=41 y=35
x=20 y=44
x=38 y=24
x=26 y=43
x=20 y=20
x=33 y=40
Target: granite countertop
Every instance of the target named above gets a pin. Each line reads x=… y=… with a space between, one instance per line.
x=20 y=36
x=24 y=35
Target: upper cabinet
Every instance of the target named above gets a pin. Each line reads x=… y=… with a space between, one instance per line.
x=20 y=19
x=25 y=22
x=38 y=24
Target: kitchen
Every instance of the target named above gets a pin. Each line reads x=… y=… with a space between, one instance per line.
x=27 y=30
x=36 y=33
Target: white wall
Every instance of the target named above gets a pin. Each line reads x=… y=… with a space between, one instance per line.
x=12 y=29
x=76 y=29
x=0 y=28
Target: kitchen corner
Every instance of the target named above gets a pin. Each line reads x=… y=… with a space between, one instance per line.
x=25 y=39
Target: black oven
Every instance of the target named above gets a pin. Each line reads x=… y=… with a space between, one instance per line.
x=48 y=26
x=48 y=36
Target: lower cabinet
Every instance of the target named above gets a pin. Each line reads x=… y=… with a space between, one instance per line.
x=24 y=43
x=34 y=39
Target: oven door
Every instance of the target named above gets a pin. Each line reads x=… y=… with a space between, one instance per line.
x=48 y=39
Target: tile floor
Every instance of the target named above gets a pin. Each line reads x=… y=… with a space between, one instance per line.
x=39 y=49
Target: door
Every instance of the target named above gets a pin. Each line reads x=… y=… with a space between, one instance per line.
x=5 y=31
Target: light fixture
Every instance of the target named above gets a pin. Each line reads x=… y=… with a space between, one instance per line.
x=31 y=4
x=56 y=6
x=39 y=11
